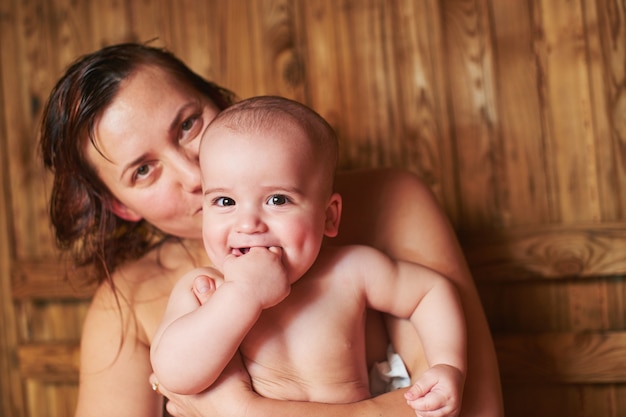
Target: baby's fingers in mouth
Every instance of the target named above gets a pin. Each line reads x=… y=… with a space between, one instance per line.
x=275 y=249
x=240 y=251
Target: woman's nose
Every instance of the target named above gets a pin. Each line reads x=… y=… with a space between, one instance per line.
x=188 y=171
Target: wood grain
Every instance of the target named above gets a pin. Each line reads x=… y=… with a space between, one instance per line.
x=513 y=112
x=563 y=358
x=548 y=252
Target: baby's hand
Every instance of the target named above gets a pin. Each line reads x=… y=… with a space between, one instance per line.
x=262 y=271
x=203 y=287
x=438 y=392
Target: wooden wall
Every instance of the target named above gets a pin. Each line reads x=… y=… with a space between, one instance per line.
x=514 y=112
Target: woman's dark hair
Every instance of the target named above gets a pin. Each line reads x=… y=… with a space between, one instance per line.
x=80 y=209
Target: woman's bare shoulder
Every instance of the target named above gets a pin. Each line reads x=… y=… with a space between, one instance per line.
x=159 y=269
x=380 y=204
x=139 y=290
x=386 y=178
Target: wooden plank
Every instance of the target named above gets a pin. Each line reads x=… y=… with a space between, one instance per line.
x=552 y=305
x=472 y=103
x=49 y=280
x=522 y=185
x=420 y=133
x=150 y=21
x=279 y=49
x=51 y=399
x=52 y=361
x=580 y=400
x=576 y=357
x=547 y=252
x=318 y=31
x=240 y=68
x=110 y=22
x=11 y=390
x=189 y=28
x=567 y=110
x=606 y=43
x=514 y=254
x=25 y=86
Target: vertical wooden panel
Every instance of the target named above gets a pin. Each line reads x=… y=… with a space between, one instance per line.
x=469 y=63
x=569 y=126
x=67 y=37
x=513 y=112
x=281 y=54
x=191 y=23
x=523 y=186
x=21 y=80
x=11 y=392
x=110 y=21
x=318 y=27
x=605 y=33
x=150 y=21
x=361 y=37
x=418 y=88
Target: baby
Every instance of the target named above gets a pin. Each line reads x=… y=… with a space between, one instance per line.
x=294 y=309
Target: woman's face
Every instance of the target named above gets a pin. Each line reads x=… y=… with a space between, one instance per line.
x=147 y=151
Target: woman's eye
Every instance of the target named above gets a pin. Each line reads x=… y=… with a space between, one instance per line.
x=142 y=171
x=187 y=124
x=224 y=201
x=277 y=200
x=190 y=129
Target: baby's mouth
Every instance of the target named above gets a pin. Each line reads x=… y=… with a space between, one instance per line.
x=240 y=251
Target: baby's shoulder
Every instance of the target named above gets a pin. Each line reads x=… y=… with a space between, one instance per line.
x=353 y=260
x=350 y=253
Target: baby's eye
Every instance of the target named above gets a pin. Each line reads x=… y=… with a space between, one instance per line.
x=278 y=200
x=224 y=201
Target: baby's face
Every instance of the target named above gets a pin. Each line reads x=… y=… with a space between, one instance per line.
x=261 y=188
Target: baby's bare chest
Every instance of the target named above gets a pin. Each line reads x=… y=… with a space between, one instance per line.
x=312 y=343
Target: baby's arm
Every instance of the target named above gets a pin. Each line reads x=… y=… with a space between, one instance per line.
x=431 y=302
x=195 y=342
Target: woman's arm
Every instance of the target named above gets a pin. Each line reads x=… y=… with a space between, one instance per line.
x=232 y=395
x=395 y=212
x=114 y=370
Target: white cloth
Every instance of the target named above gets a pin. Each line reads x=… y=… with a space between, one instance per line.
x=389 y=375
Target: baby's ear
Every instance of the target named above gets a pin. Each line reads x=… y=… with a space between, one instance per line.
x=333 y=215
x=124 y=212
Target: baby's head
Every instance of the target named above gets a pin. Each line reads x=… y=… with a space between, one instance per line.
x=268 y=165
x=259 y=118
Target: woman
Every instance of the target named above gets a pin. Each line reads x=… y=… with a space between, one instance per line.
x=120 y=134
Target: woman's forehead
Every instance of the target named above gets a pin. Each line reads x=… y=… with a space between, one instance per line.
x=143 y=110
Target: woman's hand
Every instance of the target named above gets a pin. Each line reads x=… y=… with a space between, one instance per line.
x=231 y=395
